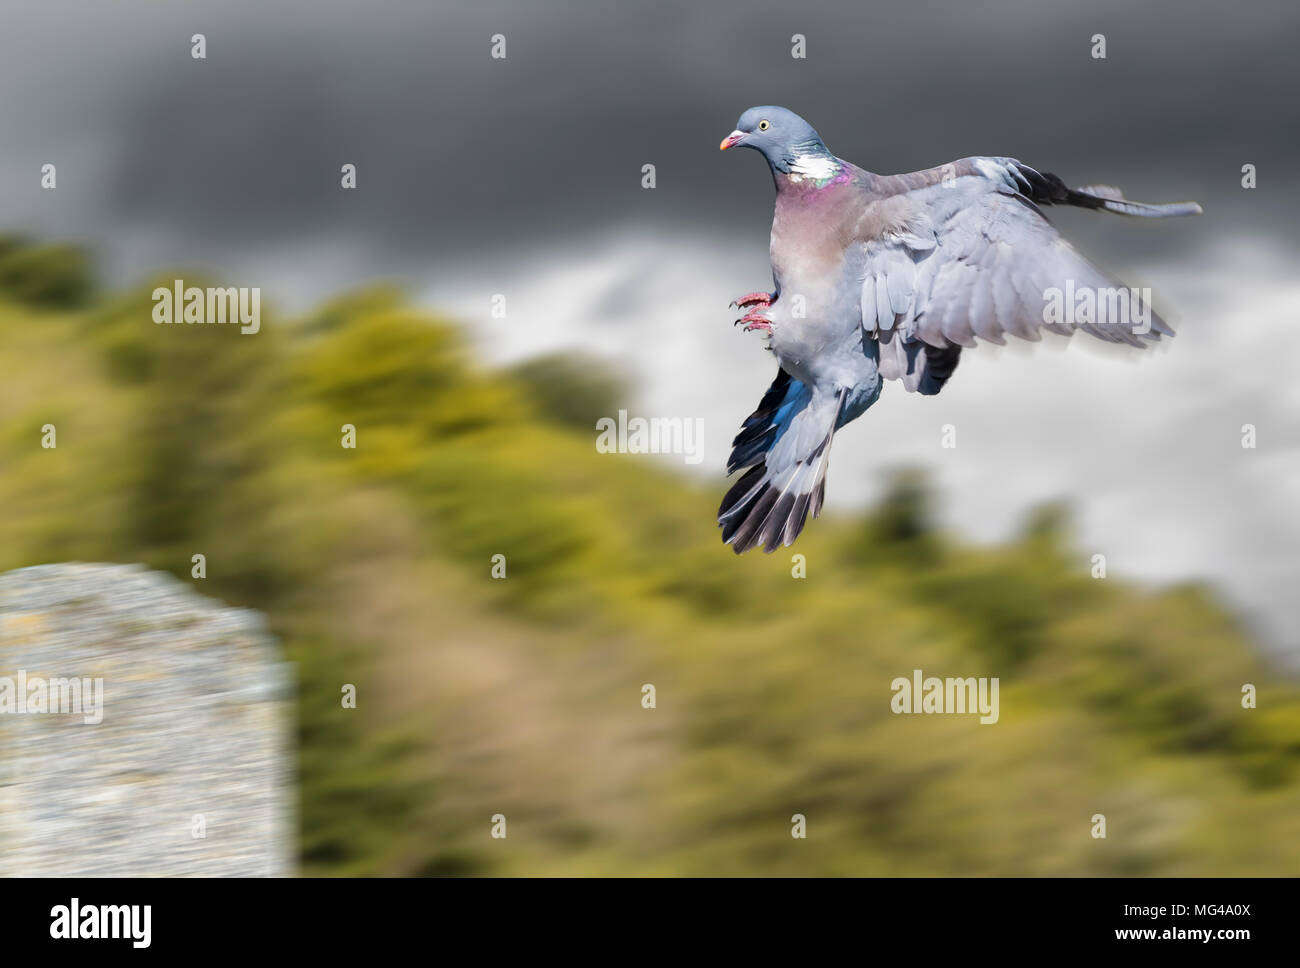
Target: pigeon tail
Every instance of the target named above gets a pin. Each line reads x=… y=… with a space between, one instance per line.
x=785 y=444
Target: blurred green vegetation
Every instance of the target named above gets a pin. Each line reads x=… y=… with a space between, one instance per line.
x=523 y=696
x=45 y=276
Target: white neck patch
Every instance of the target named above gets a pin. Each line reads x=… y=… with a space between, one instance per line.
x=816 y=167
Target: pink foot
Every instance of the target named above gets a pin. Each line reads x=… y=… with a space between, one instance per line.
x=753 y=299
x=755 y=320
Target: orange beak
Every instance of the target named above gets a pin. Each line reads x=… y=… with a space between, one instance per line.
x=731 y=139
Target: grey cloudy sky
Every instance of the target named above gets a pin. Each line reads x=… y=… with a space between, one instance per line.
x=523 y=176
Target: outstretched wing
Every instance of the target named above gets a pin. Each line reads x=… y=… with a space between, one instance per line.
x=784 y=444
x=971 y=256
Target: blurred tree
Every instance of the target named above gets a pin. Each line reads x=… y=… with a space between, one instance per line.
x=45 y=276
x=1048 y=525
x=572 y=389
x=901 y=527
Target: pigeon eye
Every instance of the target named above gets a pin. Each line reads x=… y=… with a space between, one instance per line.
x=763 y=125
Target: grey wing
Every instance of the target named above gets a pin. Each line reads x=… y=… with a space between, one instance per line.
x=976 y=259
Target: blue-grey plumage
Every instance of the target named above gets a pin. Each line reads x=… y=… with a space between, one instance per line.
x=888 y=277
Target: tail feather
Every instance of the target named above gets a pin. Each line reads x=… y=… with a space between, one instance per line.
x=771 y=502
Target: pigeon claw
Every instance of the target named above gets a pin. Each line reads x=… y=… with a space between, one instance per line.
x=753 y=299
x=755 y=320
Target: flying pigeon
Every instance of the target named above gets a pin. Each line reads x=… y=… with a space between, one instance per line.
x=889 y=277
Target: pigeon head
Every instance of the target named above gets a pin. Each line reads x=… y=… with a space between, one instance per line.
x=787 y=141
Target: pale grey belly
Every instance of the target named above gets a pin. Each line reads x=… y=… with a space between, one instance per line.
x=817 y=331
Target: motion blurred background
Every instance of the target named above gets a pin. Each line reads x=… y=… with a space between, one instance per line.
x=522 y=177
